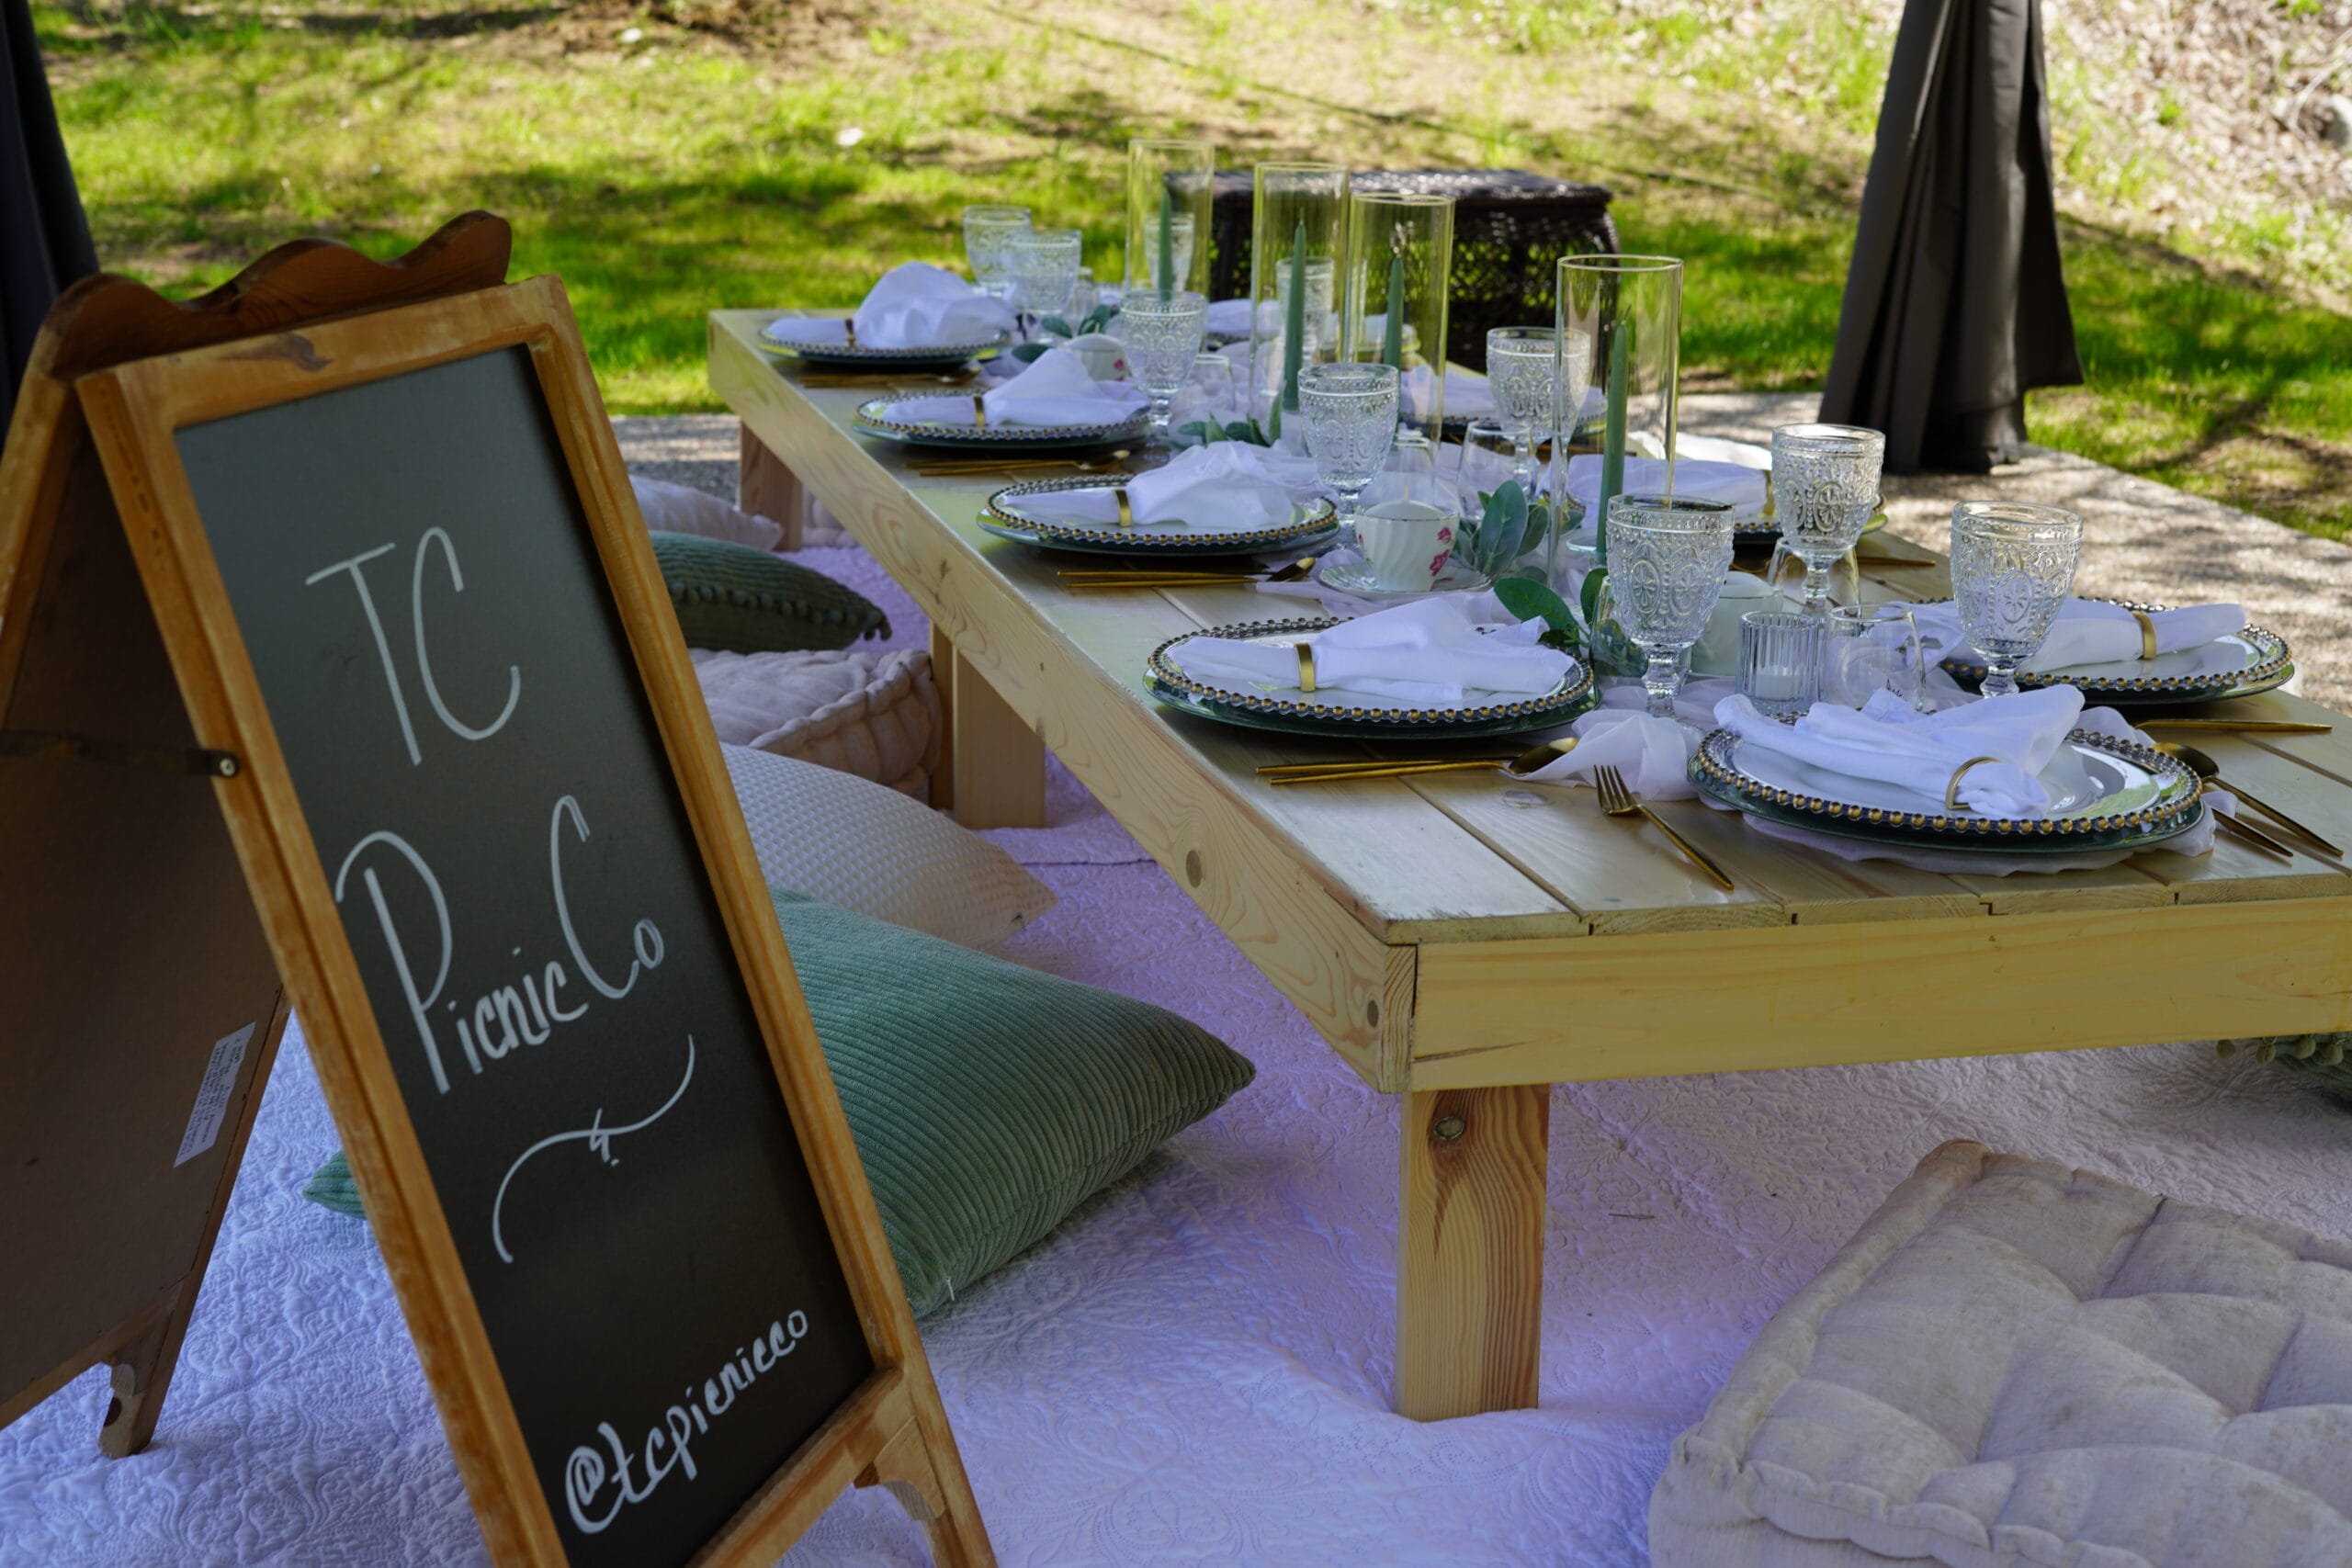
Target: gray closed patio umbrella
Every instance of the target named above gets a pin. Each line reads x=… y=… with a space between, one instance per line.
x=44 y=238
x=1955 y=303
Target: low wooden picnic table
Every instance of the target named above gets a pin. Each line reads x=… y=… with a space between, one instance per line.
x=1465 y=944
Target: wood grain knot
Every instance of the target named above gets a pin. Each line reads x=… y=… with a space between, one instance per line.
x=1372 y=1012
x=1194 y=870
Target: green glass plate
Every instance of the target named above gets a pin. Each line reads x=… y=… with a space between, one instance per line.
x=1311 y=523
x=2108 y=795
x=873 y=418
x=2242 y=664
x=1337 y=713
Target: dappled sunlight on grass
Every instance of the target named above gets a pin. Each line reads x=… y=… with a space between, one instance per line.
x=664 y=170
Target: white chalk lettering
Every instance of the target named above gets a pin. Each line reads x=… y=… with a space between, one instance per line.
x=417 y=1001
x=376 y=626
x=646 y=938
x=424 y=661
x=596 y=1488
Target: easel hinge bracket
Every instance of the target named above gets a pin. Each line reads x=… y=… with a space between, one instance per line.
x=58 y=745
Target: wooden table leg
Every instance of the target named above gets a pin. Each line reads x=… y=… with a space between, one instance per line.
x=1470 y=1250
x=992 y=766
x=765 y=488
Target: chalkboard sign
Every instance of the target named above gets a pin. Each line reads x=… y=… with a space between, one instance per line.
x=480 y=808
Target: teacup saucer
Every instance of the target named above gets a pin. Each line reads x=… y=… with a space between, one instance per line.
x=1354 y=576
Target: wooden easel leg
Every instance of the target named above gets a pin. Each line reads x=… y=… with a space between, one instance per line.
x=949 y=1517
x=997 y=763
x=141 y=1373
x=1470 y=1250
x=765 y=488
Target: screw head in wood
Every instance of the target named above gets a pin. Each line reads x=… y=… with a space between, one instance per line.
x=1447 y=1129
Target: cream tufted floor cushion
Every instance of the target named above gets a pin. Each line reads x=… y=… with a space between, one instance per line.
x=874 y=715
x=2013 y=1363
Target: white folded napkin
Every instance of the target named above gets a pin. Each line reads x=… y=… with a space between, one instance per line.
x=916 y=305
x=1652 y=755
x=2090 y=633
x=1230 y=487
x=1887 y=743
x=1743 y=487
x=1054 y=389
x=1433 y=652
x=1227 y=318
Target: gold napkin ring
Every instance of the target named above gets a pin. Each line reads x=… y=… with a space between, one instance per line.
x=1951 y=790
x=979 y=411
x=1305 y=666
x=1127 y=516
x=2147 y=633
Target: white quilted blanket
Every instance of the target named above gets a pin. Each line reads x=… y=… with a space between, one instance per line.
x=1195 y=1368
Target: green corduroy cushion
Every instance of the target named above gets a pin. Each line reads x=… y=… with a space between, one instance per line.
x=740 y=600
x=988 y=1101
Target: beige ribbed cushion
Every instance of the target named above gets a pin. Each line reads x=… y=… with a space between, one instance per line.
x=855 y=845
x=2015 y=1365
x=873 y=714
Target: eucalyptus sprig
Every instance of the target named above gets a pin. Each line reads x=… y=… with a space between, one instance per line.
x=1207 y=432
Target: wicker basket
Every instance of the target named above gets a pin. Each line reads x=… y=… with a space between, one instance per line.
x=1510 y=228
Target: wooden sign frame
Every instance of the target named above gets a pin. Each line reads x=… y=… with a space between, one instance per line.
x=892 y=1430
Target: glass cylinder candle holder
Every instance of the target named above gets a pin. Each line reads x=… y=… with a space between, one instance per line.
x=1398 y=268
x=1299 y=220
x=1629 y=309
x=1169 y=186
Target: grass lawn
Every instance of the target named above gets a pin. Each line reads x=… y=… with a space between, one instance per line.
x=735 y=153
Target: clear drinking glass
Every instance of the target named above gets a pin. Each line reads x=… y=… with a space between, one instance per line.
x=1667 y=554
x=1523 y=370
x=1869 y=648
x=2012 y=567
x=986 y=230
x=1399 y=277
x=1825 y=487
x=1298 y=219
x=1170 y=180
x=1780 y=660
x=1349 y=415
x=1488 y=454
x=1629 y=310
x=1044 y=262
x=1212 y=379
x=1161 y=333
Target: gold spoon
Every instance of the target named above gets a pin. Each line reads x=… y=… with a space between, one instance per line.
x=1177 y=576
x=2206 y=768
x=1020 y=465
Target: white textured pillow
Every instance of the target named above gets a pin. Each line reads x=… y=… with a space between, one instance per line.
x=857 y=845
x=874 y=715
x=674 y=509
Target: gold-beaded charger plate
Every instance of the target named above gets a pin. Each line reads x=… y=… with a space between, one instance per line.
x=874 y=418
x=1015 y=512
x=2242 y=664
x=837 y=354
x=2106 y=794
x=1294 y=712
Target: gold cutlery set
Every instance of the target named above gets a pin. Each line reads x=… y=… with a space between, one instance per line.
x=1180 y=576
x=957 y=468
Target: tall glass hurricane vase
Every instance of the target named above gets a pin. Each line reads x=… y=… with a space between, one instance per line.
x=2012 y=567
x=1349 y=414
x=1667 y=564
x=1629 y=310
x=1161 y=333
x=1168 y=187
x=1297 y=230
x=1399 y=267
x=1825 y=487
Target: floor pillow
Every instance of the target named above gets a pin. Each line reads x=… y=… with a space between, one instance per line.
x=732 y=596
x=874 y=715
x=2015 y=1365
x=987 y=1100
x=678 y=509
x=861 y=846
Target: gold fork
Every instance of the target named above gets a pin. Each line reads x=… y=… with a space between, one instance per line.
x=1619 y=801
x=1180 y=576
x=1519 y=766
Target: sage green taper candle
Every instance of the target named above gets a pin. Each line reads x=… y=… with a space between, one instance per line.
x=1392 y=330
x=1168 y=242
x=1294 y=328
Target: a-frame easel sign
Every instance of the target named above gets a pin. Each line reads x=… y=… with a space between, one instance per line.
x=431 y=682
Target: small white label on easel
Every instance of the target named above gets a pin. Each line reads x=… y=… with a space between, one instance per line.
x=212 y=1095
